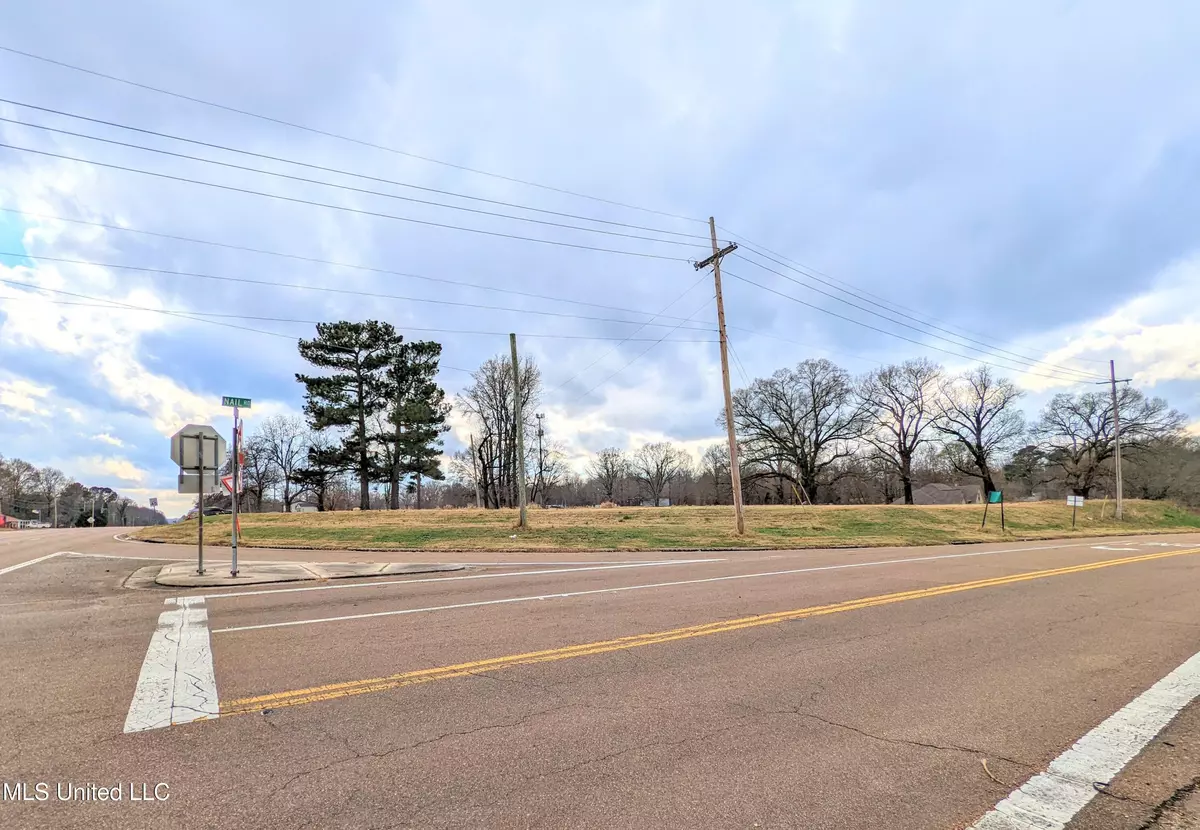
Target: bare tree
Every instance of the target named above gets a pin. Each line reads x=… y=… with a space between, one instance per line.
x=489 y=400
x=607 y=468
x=654 y=465
x=285 y=441
x=49 y=483
x=901 y=405
x=798 y=423
x=259 y=472
x=1077 y=431
x=977 y=413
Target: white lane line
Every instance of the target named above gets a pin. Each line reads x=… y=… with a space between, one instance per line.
x=20 y=565
x=378 y=583
x=1048 y=801
x=620 y=589
x=177 y=683
x=112 y=556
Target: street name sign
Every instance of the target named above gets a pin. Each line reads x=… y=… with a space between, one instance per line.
x=227 y=400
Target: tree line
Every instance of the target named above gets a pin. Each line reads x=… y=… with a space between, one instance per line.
x=374 y=416
x=31 y=493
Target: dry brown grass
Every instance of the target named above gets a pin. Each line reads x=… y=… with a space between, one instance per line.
x=686 y=528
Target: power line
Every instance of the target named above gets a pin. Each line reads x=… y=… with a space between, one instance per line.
x=894 y=334
x=348 y=188
x=359 y=211
x=640 y=354
x=987 y=347
x=738 y=360
x=318 y=261
x=182 y=314
x=339 y=137
x=1023 y=364
x=348 y=291
x=101 y=302
x=326 y=169
x=863 y=294
x=628 y=339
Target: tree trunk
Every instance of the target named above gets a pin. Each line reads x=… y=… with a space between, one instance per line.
x=906 y=478
x=364 y=472
x=418 y=491
x=989 y=486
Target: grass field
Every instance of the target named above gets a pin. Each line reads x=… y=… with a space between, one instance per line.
x=685 y=528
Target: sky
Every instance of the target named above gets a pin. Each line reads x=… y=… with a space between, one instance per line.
x=1014 y=182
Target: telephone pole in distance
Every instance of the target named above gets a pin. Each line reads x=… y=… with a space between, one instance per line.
x=1118 y=481
x=735 y=473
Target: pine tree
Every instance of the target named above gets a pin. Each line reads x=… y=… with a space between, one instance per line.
x=417 y=415
x=360 y=355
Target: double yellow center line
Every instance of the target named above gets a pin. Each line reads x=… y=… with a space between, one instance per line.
x=411 y=678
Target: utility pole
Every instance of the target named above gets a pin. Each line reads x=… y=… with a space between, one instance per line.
x=1112 y=376
x=475 y=471
x=541 y=474
x=56 y=512
x=735 y=473
x=1118 y=481
x=519 y=426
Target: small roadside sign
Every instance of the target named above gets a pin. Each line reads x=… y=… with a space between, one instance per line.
x=244 y=403
x=153 y=501
x=994 y=497
x=1074 y=502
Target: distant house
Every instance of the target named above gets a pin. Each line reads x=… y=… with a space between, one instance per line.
x=304 y=507
x=948 y=494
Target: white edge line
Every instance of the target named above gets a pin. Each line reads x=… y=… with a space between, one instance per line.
x=1049 y=800
x=20 y=565
x=177 y=683
x=593 y=592
x=377 y=583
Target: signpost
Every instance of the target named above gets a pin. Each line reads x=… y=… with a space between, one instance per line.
x=994 y=497
x=235 y=481
x=199 y=450
x=1075 y=503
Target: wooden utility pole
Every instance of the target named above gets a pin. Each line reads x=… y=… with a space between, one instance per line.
x=735 y=473
x=1120 y=485
x=541 y=470
x=475 y=471
x=519 y=427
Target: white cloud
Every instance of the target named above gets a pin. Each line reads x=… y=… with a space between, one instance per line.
x=23 y=397
x=1153 y=337
x=110 y=468
x=108 y=439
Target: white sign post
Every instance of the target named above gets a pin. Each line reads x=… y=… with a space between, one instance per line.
x=1075 y=502
x=199 y=450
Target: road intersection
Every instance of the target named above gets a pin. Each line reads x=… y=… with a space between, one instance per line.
x=838 y=688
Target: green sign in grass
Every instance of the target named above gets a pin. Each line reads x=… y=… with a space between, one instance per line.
x=244 y=403
x=995 y=497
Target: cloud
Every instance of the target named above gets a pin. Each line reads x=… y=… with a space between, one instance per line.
x=22 y=397
x=1035 y=197
x=110 y=468
x=108 y=439
x=1152 y=337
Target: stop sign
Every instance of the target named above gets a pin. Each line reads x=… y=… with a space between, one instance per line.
x=185 y=448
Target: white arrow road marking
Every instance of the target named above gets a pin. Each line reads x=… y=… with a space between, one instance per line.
x=1050 y=800
x=177 y=683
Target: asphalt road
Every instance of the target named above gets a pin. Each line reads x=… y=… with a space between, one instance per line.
x=812 y=689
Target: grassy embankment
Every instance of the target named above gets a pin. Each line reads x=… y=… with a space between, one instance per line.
x=644 y=528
